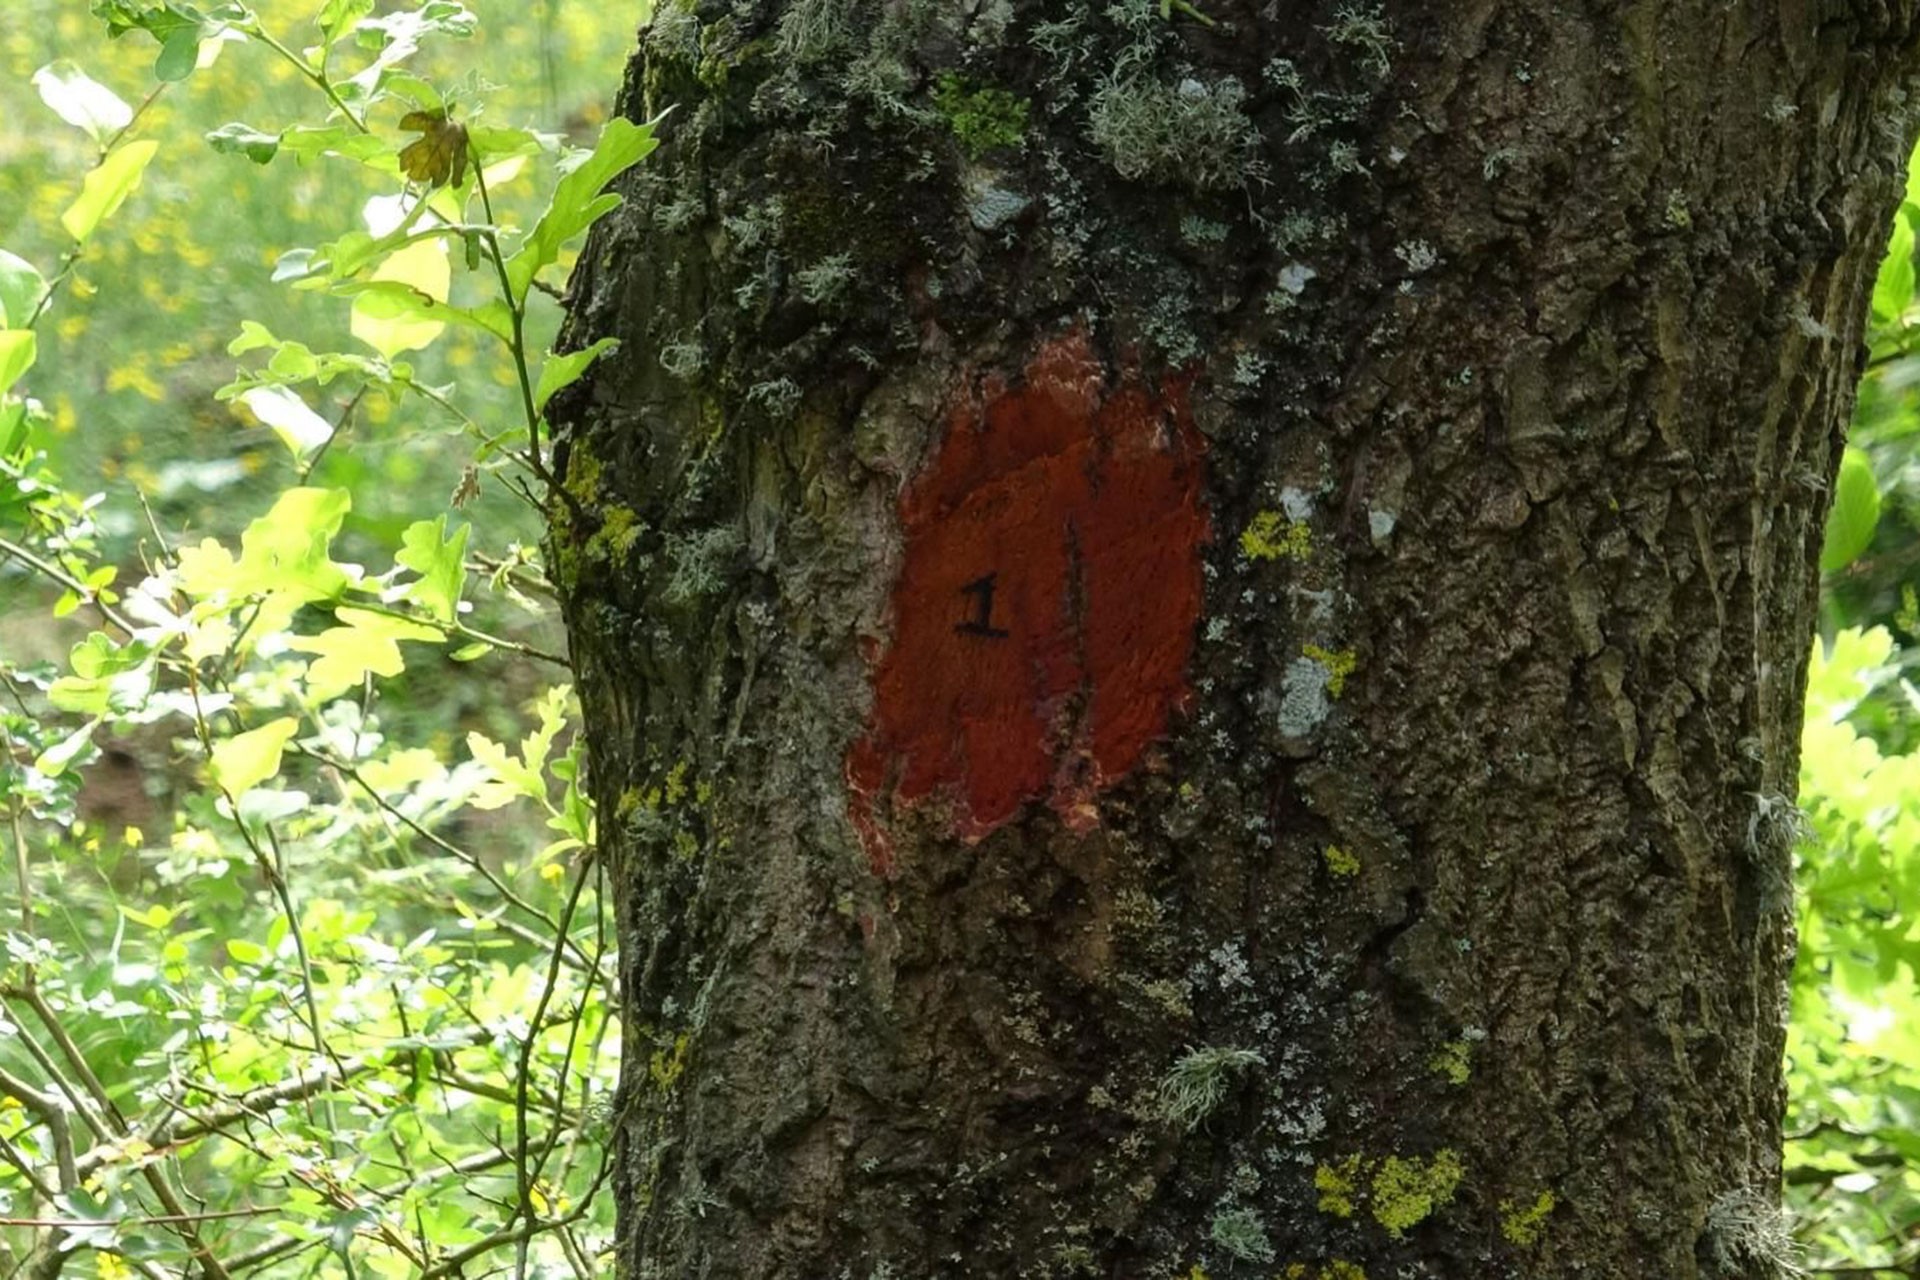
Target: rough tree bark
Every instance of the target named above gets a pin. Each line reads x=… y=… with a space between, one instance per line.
x=1192 y=621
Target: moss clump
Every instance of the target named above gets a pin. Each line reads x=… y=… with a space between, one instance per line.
x=1342 y=1270
x=1195 y=132
x=1405 y=1192
x=983 y=119
x=1271 y=536
x=1339 y=664
x=1340 y=862
x=1454 y=1060
x=1524 y=1225
x=619 y=529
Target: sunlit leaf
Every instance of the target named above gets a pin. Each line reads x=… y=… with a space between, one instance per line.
x=337 y=17
x=393 y=320
x=244 y=952
x=82 y=101
x=106 y=186
x=579 y=199
x=54 y=760
x=440 y=560
x=17 y=347
x=249 y=759
x=299 y=427
x=366 y=643
x=21 y=288
x=562 y=371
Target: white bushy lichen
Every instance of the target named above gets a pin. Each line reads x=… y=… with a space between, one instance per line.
x=1196 y=131
x=1747 y=1236
x=1197 y=1083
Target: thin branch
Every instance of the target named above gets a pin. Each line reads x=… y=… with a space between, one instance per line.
x=52 y=1116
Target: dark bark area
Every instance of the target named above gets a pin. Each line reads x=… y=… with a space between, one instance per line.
x=1389 y=446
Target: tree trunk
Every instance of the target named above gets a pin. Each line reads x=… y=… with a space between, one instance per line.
x=1192 y=621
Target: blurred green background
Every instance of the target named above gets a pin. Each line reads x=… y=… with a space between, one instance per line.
x=131 y=370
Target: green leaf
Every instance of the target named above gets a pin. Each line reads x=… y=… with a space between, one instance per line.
x=245 y=140
x=440 y=560
x=21 y=288
x=246 y=760
x=253 y=336
x=337 y=17
x=179 y=55
x=560 y=372
x=469 y=652
x=308 y=141
x=1856 y=510
x=54 y=760
x=110 y=183
x=106 y=678
x=13 y=426
x=157 y=916
x=81 y=101
x=578 y=200
x=390 y=300
x=1893 y=287
x=17 y=349
x=242 y=951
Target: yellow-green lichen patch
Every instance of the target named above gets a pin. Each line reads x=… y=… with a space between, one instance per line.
x=1339 y=663
x=1340 y=861
x=1337 y=1184
x=1398 y=1191
x=1524 y=1225
x=1271 y=536
x=1336 y=1269
x=1406 y=1191
x=666 y=1065
x=1454 y=1060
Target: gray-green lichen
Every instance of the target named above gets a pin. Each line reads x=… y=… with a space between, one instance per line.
x=1197 y=1083
x=1194 y=131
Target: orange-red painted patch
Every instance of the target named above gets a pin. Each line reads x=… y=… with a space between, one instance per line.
x=1044 y=613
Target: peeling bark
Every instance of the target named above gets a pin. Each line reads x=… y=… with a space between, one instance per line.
x=1192 y=629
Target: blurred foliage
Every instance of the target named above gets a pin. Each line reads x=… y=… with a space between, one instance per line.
x=1853 y=1056
x=305 y=967
x=139 y=346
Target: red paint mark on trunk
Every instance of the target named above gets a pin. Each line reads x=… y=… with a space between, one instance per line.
x=1044 y=613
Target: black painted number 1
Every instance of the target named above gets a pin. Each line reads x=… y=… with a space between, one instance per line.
x=981 y=623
